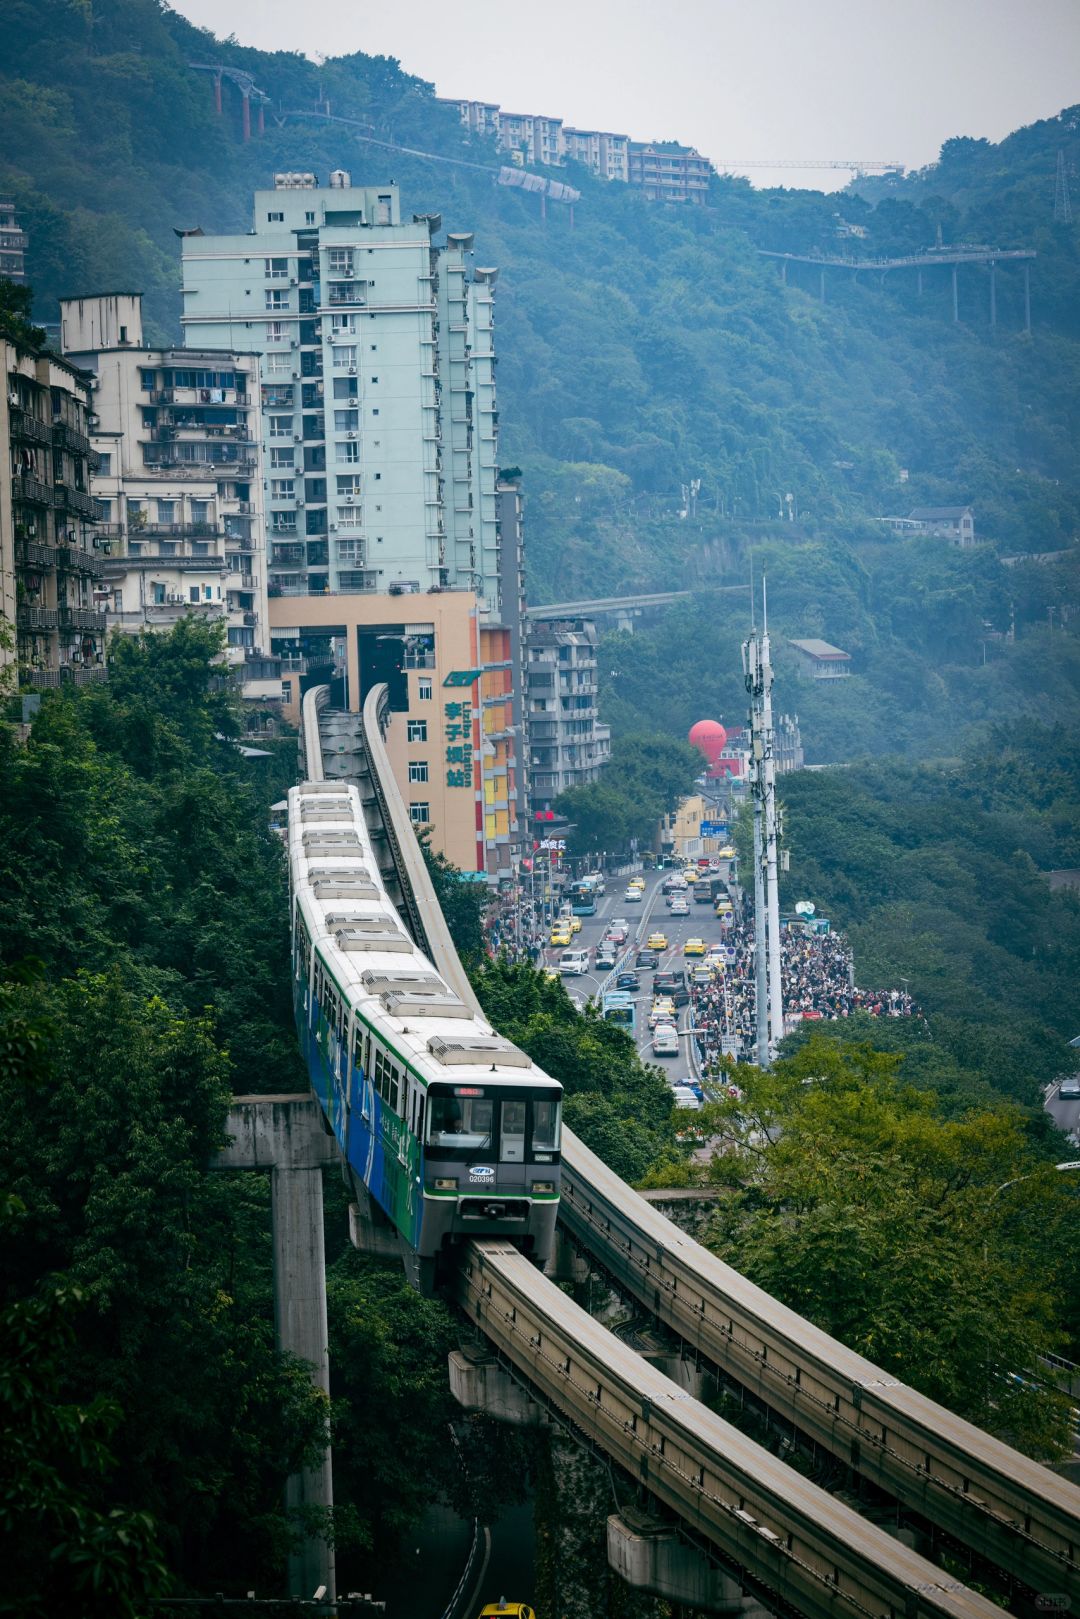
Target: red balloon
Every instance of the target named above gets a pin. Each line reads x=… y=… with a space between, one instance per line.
x=710 y=739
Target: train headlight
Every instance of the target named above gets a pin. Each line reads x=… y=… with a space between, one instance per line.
x=445 y=1183
x=543 y=1186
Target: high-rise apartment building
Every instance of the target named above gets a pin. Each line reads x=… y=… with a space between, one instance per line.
x=568 y=746
x=12 y=244
x=378 y=386
x=49 y=569
x=178 y=484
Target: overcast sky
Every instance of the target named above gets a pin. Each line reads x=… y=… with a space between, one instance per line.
x=739 y=79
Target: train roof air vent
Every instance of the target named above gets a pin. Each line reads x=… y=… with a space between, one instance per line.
x=373 y=933
x=377 y=981
x=412 y=1004
x=476 y=1051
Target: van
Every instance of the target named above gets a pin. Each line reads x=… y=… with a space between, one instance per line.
x=665 y=1041
x=574 y=961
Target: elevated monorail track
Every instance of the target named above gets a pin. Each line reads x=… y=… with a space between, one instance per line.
x=1016 y=1514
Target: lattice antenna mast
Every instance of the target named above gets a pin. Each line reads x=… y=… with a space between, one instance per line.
x=1062 y=200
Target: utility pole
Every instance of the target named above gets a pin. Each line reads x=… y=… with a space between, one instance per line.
x=758 y=676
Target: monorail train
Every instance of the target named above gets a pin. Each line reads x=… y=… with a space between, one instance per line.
x=454 y=1132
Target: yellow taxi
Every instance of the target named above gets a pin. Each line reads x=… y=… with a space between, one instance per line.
x=507 y=1610
x=552 y=976
x=657 y=941
x=638 y=883
x=694 y=947
x=575 y=924
x=691 y=874
x=560 y=937
x=727 y=853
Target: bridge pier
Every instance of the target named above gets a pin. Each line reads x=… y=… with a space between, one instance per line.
x=651 y=1556
x=993 y=294
x=479 y=1383
x=1027 y=299
x=285 y=1135
x=955 y=297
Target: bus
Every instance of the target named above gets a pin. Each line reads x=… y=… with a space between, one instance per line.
x=582 y=897
x=619 y=1008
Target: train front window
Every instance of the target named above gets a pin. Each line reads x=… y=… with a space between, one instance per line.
x=464 y=1123
x=512 y=1137
x=545 y=1126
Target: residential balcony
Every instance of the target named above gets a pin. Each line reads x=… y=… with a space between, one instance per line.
x=27 y=427
x=30 y=555
x=159 y=612
x=75 y=560
x=37 y=618
x=33 y=492
x=170 y=531
x=223 y=455
x=69 y=438
x=82 y=618
x=76 y=500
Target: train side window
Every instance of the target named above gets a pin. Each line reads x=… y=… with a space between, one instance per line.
x=420 y=1117
x=545 y=1125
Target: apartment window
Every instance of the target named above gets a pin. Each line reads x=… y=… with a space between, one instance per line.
x=345 y=388
x=104 y=510
x=277 y=365
x=340 y=260
x=149 y=380
x=280 y=426
x=348 y=484
x=166 y=511
x=104 y=464
x=193 y=593
x=343 y=323
x=423 y=689
x=277 y=331
x=157 y=595
x=349 y=451
x=350 y=550
x=275 y=219
x=344 y=356
x=416 y=730
x=350 y=517
x=167 y=548
x=277 y=269
x=277 y=298
x=200 y=511
x=239 y=636
x=420 y=814
x=282 y=488
x=346 y=421
x=418 y=770
x=309 y=217
x=282 y=458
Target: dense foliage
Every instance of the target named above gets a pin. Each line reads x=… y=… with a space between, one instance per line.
x=942 y=1249
x=940 y=876
x=147 y=1422
x=645 y=778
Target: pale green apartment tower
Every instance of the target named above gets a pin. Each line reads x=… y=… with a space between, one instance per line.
x=378 y=396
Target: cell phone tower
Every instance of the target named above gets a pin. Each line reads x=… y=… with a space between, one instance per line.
x=758 y=677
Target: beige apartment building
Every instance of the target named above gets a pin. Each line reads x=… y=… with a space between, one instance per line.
x=49 y=569
x=179 y=481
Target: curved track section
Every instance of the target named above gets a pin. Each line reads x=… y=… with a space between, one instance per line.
x=1017 y=1514
x=800 y=1547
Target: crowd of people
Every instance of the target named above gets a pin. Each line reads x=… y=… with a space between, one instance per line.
x=818 y=977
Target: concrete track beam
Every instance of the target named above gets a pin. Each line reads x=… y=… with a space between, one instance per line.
x=651 y=1557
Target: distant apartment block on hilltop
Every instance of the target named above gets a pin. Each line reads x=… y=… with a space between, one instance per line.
x=664 y=170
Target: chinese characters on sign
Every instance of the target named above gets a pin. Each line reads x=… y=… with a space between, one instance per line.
x=459 y=748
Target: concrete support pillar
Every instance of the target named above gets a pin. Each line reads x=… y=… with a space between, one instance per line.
x=918 y=282
x=479 y=1383
x=650 y=1556
x=783 y=271
x=217 y=94
x=245 y=102
x=262 y=118
x=955 y=297
x=566 y=1263
x=285 y=1135
x=993 y=294
x=1027 y=298
x=821 y=283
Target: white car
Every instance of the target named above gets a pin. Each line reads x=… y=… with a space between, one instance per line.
x=632 y=896
x=685 y=1097
x=574 y=961
x=678 y=907
x=665 y=1041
